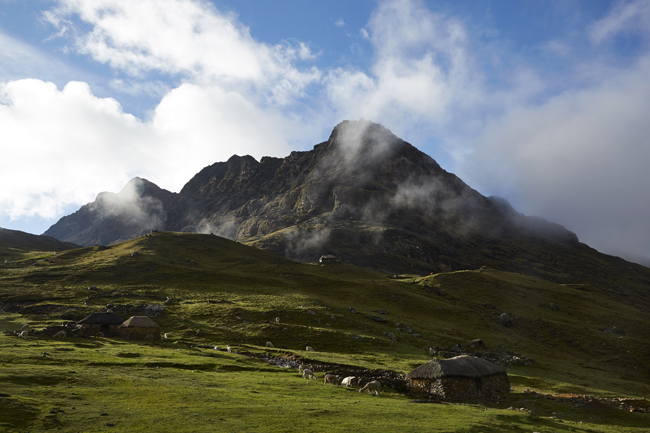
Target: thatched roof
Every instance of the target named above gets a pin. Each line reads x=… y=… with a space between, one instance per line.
x=139 y=322
x=465 y=366
x=102 y=319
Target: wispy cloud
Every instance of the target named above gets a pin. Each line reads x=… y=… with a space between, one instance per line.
x=19 y=60
x=625 y=17
x=173 y=37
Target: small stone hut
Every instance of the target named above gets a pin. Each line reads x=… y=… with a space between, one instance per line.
x=138 y=327
x=328 y=259
x=106 y=323
x=460 y=378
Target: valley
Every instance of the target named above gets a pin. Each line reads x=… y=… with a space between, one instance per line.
x=577 y=339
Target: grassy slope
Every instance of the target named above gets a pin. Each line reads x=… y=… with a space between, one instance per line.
x=202 y=386
x=17 y=245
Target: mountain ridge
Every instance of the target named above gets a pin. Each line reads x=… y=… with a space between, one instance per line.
x=364 y=195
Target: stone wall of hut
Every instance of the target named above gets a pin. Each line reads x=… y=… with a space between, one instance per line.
x=460 y=388
x=93 y=329
x=136 y=333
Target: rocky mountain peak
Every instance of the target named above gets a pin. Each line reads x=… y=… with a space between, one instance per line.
x=364 y=194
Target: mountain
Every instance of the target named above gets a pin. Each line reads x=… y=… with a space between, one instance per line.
x=363 y=195
x=137 y=209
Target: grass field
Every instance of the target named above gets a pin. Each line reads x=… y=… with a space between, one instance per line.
x=233 y=294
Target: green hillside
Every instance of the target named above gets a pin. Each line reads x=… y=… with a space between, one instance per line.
x=584 y=339
x=17 y=245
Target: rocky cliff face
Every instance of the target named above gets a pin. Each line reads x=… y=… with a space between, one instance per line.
x=364 y=195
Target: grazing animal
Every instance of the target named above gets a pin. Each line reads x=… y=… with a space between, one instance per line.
x=269 y=344
x=302 y=368
x=216 y=347
x=60 y=334
x=228 y=349
x=99 y=335
x=24 y=334
x=25 y=327
x=331 y=379
x=148 y=337
x=372 y=387
x=309 y=349
x=165 y=336
x=308 y=374
x=348 y=381
x=277 y=319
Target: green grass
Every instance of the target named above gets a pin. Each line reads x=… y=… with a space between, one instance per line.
x=170 y=387
x=234 y=293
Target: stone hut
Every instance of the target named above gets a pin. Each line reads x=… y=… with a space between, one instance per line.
x=106 y=323
x=328 y=259
x=458 y=379
x=138 y=327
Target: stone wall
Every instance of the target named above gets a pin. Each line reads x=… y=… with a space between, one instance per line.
x=460 y=388
x=138 y=333
x=93 y=329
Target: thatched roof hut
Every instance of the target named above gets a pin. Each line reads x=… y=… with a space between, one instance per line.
x=106 y=323
x=460 y=378
x=138 y=327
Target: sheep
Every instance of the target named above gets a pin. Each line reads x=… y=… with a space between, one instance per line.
x=228 y=349
x=372 y=387
x=165 y=336
x=269 y=344
x=25 y=327
x=331 y=379
x=308 y=374
x=148 y=337
x=302 y=368
x=24 y=334
x=60 y=334
x=348 y=381
x=277 y=319
x=99 y=335
x=309 y=349
x=216 y=348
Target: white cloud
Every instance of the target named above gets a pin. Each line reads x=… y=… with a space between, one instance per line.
x=579 y=159
x=67 y=145
x=189 y=38
x=625 y=17
x=339 y=22
x=156 y=89
x=59 y=147
x=62 y=147
x=421 y=70
x=197 y=124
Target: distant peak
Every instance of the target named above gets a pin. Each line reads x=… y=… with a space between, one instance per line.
x=139 y=186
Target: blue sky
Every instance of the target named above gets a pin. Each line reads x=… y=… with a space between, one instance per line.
x=543 y=103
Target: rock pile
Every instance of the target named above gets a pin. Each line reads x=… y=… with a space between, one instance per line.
x=388 y=378
x=577 y=400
